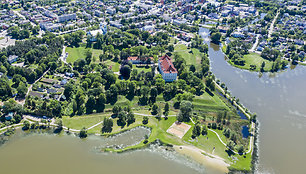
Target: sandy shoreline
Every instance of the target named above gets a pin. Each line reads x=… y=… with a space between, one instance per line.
x=212 y=161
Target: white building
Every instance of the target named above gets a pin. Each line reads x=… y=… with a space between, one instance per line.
x=48 y=26
x=66 y=17
x=92 y=34
x=167 y=69
x=111 y=11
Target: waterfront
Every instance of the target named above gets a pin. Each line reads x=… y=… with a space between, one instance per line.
x=279 y=101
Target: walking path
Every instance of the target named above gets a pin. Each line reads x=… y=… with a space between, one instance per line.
x=153 y=115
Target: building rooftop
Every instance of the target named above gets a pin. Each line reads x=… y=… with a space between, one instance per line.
x=167 y=65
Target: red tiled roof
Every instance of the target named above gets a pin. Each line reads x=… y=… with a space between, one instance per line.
x=167 y=65
x=140 y=59
x=132 y=58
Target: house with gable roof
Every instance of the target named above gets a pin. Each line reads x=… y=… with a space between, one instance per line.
x=167 y=69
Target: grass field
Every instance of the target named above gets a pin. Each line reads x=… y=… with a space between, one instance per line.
x=78 y=122
x=192 y=56
x=254 y=59
x=79 y=53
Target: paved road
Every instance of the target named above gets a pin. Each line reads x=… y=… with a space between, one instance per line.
x=255 y=44
x=272 y=25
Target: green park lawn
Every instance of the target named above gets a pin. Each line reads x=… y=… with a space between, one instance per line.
x=192 y=56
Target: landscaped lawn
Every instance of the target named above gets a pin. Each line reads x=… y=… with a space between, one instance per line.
x=115 y=65
x=192 y=56
x=139 y=69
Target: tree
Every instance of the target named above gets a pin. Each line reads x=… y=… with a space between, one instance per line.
x=145 y=120
x=130 y=118
x=59 y=124
x=26 y=125
x=83 y=133
x=215 y=37
x=22 y=89
x=116 y=109
x=230 y=145
x=107 y=125
x=210 y=83
x=262 y=66
x=80 y=100
x=32 y=77
x=204 y=130
x=166 y=109
x=196 y=131
x=122 y=119
x=171 y=48
x=90 y=104
x=240 y=149
x=100 y=103
x=68 y=91
x=192 y=68
x=74 y=106
x=154 y=109
x=125 y=71
x=88 y=55
x=185 y=111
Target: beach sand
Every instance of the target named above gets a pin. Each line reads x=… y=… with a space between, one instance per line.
x=217 y=164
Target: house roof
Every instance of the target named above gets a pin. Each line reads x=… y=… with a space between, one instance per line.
x=139 y=58
x=167 y=65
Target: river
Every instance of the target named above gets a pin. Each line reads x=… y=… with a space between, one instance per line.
x=280 y=102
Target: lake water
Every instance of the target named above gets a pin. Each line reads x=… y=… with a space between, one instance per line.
x=34 y=153
x=280 y=102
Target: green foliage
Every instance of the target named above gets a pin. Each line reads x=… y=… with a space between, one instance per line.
x=185 y=111
x=107 y=125
x=83 y=133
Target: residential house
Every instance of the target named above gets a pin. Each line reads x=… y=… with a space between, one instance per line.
x=9 y=116
x=64 y=82
x=12 y=58
x=140 y=60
